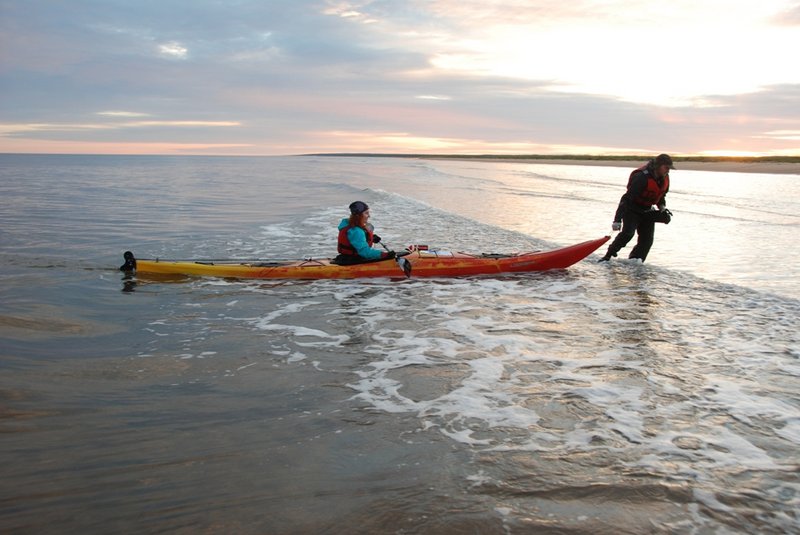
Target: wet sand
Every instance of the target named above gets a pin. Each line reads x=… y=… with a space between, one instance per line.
x=727 y=167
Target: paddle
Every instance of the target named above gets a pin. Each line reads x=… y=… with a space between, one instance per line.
x=404 y=264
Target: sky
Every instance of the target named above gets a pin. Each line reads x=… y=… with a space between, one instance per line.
x=281 y=77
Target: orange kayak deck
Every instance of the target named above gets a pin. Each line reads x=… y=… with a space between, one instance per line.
x=424 y=264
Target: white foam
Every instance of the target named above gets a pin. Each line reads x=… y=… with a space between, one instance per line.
x=654 y=371
x=745 y=406
x=505 y=341
x=708 y=499
x=622 y=405
x=481 y=478
x=791 y=430
x=299 y=333
x=296 y=357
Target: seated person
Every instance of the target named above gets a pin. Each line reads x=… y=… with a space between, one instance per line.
x=356 y=237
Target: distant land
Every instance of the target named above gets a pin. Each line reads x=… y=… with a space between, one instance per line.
x=730 y=164
x=580 y=157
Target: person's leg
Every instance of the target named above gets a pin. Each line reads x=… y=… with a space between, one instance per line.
x=630 y=222
x=646 y=231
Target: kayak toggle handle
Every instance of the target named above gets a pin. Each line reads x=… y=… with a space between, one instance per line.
x=130 y=262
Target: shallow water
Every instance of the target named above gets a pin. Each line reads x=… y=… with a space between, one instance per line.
x=634 y=398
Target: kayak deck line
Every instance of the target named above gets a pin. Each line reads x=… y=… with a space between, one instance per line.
x=425 y=263
x=259 y=262
x=233 y=261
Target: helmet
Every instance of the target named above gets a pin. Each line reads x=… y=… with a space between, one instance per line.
x=358 y=207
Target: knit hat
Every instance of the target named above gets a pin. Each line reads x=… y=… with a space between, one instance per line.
x=358 y=207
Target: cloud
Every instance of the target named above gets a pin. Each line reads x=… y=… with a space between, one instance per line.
x=111 y=147
x=789 y=17
x=383 y=142
x=790 y=135
x=173 y=50
x=348 y=10
x=621 y=57
x=268 y=77
x=122 y=114
x=111 y=126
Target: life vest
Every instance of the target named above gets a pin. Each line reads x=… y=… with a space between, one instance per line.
x=652 y=193
x=344 y=246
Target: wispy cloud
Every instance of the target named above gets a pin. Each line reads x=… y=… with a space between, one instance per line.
x=791 y=135
x=8 y=128
x=122 y=114
x=789 y=16
x=173 y=50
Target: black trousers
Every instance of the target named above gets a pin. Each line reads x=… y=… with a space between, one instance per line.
x=642 y=224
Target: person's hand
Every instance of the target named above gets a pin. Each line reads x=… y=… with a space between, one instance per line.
x=376 y=238
x=390 y=254
x=616 y=225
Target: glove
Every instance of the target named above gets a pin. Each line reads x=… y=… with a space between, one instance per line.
x=663 y=216
x=390 y=254
x=616 y=225
x=376 y=238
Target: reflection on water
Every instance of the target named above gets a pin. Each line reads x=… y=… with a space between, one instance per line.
x=128 y=283
x=738 y=228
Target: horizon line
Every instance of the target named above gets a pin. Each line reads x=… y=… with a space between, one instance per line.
x=579 y=157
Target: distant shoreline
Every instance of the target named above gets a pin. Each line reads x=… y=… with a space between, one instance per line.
x=782 y=168
x=767 y=165
x=783 y=165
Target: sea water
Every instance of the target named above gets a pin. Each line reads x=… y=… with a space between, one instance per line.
x=606 y=398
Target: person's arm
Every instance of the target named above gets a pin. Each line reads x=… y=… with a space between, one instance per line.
x=620 y=210
x=638 y=185
x=358 y=239
x=662 y=204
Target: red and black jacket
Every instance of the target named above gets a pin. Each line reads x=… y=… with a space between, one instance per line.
x=644 y=191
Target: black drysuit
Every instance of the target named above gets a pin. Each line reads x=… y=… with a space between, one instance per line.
x=637 y=217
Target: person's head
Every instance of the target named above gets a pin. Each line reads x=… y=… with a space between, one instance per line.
x=662 y=164
x=359 y=213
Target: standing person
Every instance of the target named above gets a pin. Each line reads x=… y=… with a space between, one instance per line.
x=647 y=187
x=356 y=237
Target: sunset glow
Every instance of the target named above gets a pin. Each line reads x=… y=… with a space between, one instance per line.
x=444 y=76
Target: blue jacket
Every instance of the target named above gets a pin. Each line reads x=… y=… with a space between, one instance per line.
x=358 y=239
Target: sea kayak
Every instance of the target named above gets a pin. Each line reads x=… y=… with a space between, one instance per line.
x=424 y=263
